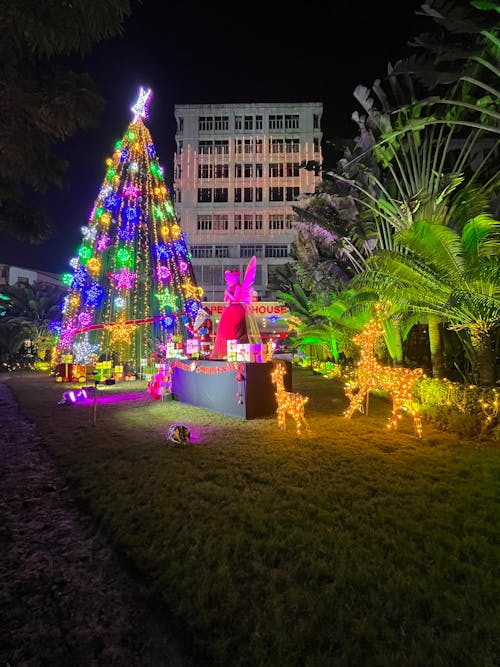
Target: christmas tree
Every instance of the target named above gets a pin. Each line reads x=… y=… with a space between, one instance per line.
x=132 y=289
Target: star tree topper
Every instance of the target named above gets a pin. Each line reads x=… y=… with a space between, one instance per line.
x=140 y=108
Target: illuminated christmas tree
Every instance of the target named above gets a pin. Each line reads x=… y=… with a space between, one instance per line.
x=132 y=289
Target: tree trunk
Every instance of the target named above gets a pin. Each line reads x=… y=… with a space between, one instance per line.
x=435 y=348
x=485 y=359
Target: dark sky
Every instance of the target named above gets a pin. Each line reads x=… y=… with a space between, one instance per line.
x=224 y=52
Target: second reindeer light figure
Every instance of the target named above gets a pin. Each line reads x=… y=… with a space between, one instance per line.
x=288 y=402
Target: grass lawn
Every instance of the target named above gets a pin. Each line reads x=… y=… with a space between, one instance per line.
x=354 y=545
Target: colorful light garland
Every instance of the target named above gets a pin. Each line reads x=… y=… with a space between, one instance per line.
x=131 y=249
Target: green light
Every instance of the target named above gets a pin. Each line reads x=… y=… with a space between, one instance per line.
x=118 y=145
x=123 y=256
x=131 y=135
x=110 y=174
x=85 y=252
x=67 y=279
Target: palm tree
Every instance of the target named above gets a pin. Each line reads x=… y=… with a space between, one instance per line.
x=447 y=277
x=36 y=310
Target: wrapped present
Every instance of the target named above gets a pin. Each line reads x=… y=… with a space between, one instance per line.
x=232 y=350
x=258 y=353
x=192 y=347
x=243 y=352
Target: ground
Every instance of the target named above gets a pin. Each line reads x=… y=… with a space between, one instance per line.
x=65 y=598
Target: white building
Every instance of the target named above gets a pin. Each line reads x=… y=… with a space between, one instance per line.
x=17 y=275
x=237 y=174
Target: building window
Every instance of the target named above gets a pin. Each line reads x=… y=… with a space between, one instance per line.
x=221 y=223
x=202 y=251
x=205 y=123
x=180 y=124
x=259 y=170
x=205 y=171
x=222 y=147
x=222 y=251
x=178 y=196
x=248 y=146
x=316 y=144
x=275 y=194
x=250 y=250
x=178 y=172
x=212 y=275
x=238 y=146
x=204 y=195
x=238 y=122
x=258 y=194
x=275 y=122
x=237 y=170
x=258 y=221
x=204 y=223
x=276 y=170
x=292 y=169
x=292 y=194
x=248 y=195
x=205 y=147
x=248 y=222
x=292 y=145
x=276 y=222
x=292 y=122
x=315 y=121
x=248 y=170
x=221 y=123
x=237 y=195
x=276 y=251
x=221 y=171
x=289 y=220
x=220 y=195
x=248 y=122
x=276 y=146
x=258 y=146
x=179 y=147
x=237 y=221
x=258 y=122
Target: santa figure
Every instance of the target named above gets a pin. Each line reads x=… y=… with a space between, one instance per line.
x=203 y=331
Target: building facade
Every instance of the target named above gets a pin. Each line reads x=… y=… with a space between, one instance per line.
x=17 y=275
x=238 y=171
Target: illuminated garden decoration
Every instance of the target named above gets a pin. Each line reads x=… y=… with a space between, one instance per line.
x=374 y=376
x=288 y=402
x=132 y=287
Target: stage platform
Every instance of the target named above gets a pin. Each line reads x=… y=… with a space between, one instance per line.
x=236 y=389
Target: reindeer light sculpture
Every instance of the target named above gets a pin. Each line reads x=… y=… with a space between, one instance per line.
x=288 y=402
x=373 y=376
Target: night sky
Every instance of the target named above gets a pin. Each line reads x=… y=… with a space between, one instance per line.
x=210 y=53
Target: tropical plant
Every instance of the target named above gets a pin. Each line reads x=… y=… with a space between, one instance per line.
x=448 y=277
x=42 y=101
x=35 y=310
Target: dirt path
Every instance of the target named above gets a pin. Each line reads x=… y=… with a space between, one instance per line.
x=64 y=599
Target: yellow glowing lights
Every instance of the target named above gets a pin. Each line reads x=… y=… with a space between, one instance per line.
x=94 y=265
x=120 y=332
x=191 y=291
x=374 y=376
x=288 y=403
x=105 y=220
